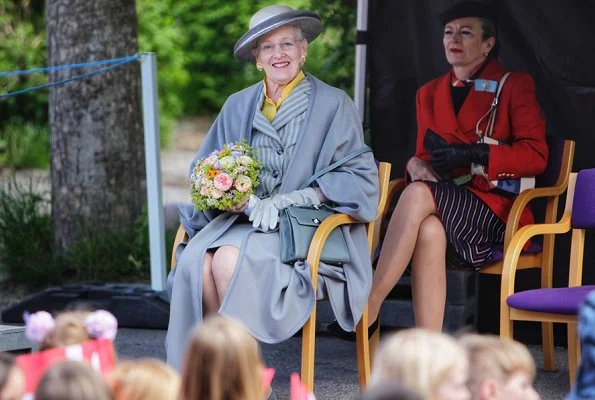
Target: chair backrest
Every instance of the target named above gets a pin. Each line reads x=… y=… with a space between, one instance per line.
x=559 y=162
x=583 y=205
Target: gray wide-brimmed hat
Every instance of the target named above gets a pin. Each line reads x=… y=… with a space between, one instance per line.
x=271 y=18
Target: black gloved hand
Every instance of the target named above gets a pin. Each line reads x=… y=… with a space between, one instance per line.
x=460 y=155
x=433 y=142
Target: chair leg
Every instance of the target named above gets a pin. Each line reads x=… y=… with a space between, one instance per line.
x=506 y=327
x=574 y=351
x=547 y=337
x=308 y=351
x=363 y=351
x=374 y=343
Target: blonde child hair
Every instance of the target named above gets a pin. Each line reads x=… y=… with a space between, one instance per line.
x=72 y=380
x=493 y=357
x=69 y=329
x=223 y=361
x=144 y=379
x=420 y=359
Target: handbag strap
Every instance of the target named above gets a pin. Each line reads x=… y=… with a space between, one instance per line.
x=491 y=114
x=335 y=165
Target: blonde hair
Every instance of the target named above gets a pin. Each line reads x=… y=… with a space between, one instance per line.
x=223 y=362
x=418 y=358
x=70 y=329
x=72 y=380
x=492 y=357
x=144 y=379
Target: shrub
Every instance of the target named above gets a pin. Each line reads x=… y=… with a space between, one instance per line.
x=101 y=254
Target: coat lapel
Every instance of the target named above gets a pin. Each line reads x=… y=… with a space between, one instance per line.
x=262 y=124
x=295 y=104
x=478 y=103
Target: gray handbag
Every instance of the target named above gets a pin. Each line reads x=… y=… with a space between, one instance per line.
x=297 y=226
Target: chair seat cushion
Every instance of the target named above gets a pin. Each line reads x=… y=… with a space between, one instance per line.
x=498 y=252
x=553 y=300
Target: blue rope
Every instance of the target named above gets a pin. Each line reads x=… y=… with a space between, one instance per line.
x=69 y=66
x=123 y=61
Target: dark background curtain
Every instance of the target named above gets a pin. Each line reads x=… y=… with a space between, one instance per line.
x=550 y=39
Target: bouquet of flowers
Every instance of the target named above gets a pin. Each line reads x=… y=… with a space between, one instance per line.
x=225 y=178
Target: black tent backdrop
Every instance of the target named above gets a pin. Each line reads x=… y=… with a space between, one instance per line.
x=551 y=39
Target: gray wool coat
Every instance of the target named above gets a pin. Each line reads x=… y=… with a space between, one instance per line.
x=272 y=299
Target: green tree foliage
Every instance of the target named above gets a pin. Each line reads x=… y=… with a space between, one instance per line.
x=22 y=46
x=162 y=33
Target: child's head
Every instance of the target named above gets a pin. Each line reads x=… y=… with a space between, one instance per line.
x=500 y=368
x=70 y=327
x=432 y=364
x=72 y=380
x=12 y=381
x=388 y=391
x=223 y=361
x=144 y=379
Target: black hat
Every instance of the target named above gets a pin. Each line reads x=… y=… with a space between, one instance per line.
x=469 y=8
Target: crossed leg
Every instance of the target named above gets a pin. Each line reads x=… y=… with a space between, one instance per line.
x=414 y=232
x=218 y=269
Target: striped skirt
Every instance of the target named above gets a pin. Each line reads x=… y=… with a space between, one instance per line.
x=472 y=229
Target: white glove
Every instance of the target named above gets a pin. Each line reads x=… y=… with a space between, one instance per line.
x=301 y=198
x=264 y=215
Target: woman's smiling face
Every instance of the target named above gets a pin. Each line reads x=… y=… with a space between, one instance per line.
x=279 y=53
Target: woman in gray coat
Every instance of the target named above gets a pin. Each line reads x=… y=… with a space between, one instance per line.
x=298 y=125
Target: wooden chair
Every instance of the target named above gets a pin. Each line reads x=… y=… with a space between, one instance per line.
x=552 y=304
x=550 y=185
x=313 y=259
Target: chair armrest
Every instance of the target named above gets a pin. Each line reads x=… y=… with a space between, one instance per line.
x=322 y=233
x=521 y=201
x=513 y=251
x=181 y=236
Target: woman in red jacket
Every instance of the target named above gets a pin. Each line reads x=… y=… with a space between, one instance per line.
x=442 y=218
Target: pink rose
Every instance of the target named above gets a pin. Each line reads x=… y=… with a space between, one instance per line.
x=222 y=182
x=205 y=191
x=216 y=194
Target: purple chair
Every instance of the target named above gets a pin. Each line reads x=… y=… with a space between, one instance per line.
x=553 y=304
x=549 y=185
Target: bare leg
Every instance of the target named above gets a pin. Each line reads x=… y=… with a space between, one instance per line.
x=428 y=275
x=224 y=265
x=415 y=205
x=210 y=299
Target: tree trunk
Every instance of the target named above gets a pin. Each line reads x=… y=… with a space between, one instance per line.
x=96 y=135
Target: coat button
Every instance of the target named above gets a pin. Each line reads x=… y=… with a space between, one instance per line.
x=275 y=174
x=280 y=150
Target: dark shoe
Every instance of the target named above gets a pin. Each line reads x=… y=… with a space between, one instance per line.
x=335 y=329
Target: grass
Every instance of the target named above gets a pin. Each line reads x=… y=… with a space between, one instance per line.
x=108 y=254
x=24 y=145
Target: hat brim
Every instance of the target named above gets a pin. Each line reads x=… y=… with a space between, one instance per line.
x=309 y=23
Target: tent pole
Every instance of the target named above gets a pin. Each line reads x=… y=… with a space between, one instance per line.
x=359 y=91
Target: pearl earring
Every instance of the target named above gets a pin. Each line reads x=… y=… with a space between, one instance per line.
x=302 y=60
x=259 y=66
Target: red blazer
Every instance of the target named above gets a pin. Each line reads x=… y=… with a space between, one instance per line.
x=518 y=122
